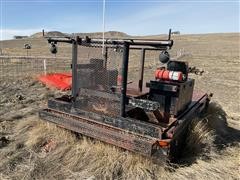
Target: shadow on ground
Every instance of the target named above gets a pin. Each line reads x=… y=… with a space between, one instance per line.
x=208 y=135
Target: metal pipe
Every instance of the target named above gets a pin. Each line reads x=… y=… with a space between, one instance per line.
x=74 y=69
x=154 y=43
x=132 y=42
x=124 y=79
x=105 y=56
x=169 y=34
x=141 y=71
x=147 y=48
x=110 y=39
x=60 y=40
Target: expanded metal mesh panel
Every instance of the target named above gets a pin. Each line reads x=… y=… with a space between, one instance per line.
x=99 y=78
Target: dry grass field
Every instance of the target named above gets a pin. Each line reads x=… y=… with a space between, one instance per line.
x=34 y=149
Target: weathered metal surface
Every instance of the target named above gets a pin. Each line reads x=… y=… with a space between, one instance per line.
x=124 y=74
x=109 y=134
x=126 y=133
x=74 y=69
x=144 y=104
x=162 y=86
x=128 y=124
x=147 y=43
x=141 y=70
x=101 y=94
x=173 y=97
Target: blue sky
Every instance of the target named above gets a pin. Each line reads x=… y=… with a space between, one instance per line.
x=135 y=17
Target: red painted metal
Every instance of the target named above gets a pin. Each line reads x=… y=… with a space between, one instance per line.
x=168 y=75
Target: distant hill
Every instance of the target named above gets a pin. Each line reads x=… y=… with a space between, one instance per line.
x=50 y=33
x=108 y=34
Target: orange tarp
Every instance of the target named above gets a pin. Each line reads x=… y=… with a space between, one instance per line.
x=62 y=81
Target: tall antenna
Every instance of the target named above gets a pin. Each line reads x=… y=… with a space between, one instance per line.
x=103 y=26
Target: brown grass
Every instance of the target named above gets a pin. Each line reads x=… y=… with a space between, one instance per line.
x=211 y=152
x=77 y=157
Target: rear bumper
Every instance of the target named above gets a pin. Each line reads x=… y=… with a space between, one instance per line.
x=133 y=135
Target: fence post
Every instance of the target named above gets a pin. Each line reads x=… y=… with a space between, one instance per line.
x=45 y=66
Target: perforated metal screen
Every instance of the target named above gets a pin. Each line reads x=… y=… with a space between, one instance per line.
x=99 y=78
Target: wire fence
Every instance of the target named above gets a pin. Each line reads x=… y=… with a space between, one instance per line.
x=13 y=67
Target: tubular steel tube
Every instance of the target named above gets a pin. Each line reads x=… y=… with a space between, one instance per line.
x=59 y=40
x=124 y=79
x=74 y=69
x=151 y=43
x=169 y=34
x=155 y=43
x=105 y=56
x=148 y=48
x=141 y=72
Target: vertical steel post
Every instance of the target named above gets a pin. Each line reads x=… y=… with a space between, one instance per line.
x=74 y=69
x=105 y=56
x=124 y=79
x=141 y=72
x=169 y=34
